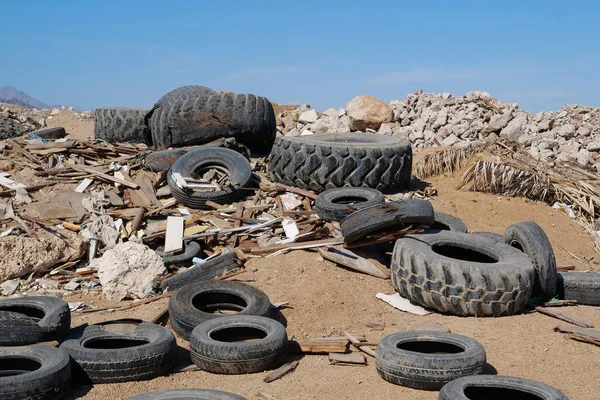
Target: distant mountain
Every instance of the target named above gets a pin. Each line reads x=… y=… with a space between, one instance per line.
x=11 y=95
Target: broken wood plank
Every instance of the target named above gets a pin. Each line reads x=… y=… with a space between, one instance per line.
x=174 y=235
x=350 y=259
x=83 y=185
x=302 y=192
x=347 y=359
x=562 y=317
x=92 y=171
x=55 y=210
x=50 y=145
x=295 y=246
x=281 y=371
x=316 y=346
x=584 y=332
x=137 y=220
x=559 y=303
x=27 y=188
x=356 y=344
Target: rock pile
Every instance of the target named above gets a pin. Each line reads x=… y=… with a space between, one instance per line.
x=16 y=120
x=571 y=134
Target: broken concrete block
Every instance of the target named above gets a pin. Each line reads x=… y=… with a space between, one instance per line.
x=129 y=270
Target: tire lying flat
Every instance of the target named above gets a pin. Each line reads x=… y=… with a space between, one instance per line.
x=183 y=257
x=196 y=303
x=121 y=125
x=583 y=287
x=334 y=160
x=33 y=372
x=237 y=166
x=531 y=239
x=491 y=387
x=33 y=319
x=490 y=280
x=101 y=356
x=216 y=266
x=332 y=204
x=187 y=394
x=238 y=344
x=427 y=360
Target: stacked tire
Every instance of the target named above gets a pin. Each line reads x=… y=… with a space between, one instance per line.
x=192 y=115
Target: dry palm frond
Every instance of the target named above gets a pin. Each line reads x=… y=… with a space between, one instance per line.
x=518 y=175
x=442 y=161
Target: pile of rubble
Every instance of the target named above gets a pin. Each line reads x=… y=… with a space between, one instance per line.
x=571 y=134
x=16 y=120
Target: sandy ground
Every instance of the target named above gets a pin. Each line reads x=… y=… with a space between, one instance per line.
x=77 y=129
x=325 y=299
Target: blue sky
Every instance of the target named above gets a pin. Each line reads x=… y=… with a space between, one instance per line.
x=540 y=54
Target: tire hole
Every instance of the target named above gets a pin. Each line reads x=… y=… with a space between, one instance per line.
x=516 y=245
x=461 y=253
x=219 y=303
x=349 y=200
x=439 y=226
x=238 y=334
x=113 y=343
x=492 y=393
x=430 y=347
x=12 y=366
x=31 y=312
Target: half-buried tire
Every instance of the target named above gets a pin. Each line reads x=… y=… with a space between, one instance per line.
x=583 y=287
x=121 y=125
x=336 y=204
x=187 y=394
x=462 y=274
x=490 y=387
x=333 y=160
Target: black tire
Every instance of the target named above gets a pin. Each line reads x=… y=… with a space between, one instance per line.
x=183 y=257
x=389 y=217
x=237 y=166
x=447 y=222
x=121 y=125
x=218 y=345
x=333 y=160
x=187 y=394
x=531 y=239
x=216 y=266
x=332 y=204
x=427 y=360
x=33 y=372
x=100 y=356
x=34 y=319
x=196 y=303
x=492 y=387
x=491 y=280
x=584 y=287
x=51 y=133
x=496 y=237
x=197 y=119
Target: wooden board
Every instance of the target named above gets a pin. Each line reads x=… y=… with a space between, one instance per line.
x=55 y=210
x=174 y=236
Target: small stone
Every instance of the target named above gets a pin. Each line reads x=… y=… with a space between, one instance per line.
x=463 y=144
x=594 y=146
x=565 y=157
x=331 y=112
x=308 y=117
x=525 y=139
x=288 y=122
x=544 y=125
x=293 y=133
x=567 y=131
x=546 y=154
x=515 y=128
x=306 y=132
x=10 y=286
x=6 y=165
x=498 y=122
x=341 y=112
x=385 y=129
x=583 y=157
x=596 y=166
x=534 y=152
x=569 y=148
x=584 y=131
x=450 y=140
x=429 y=326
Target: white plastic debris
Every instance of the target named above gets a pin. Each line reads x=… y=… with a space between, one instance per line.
x=399 y=302
x=567 y=209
